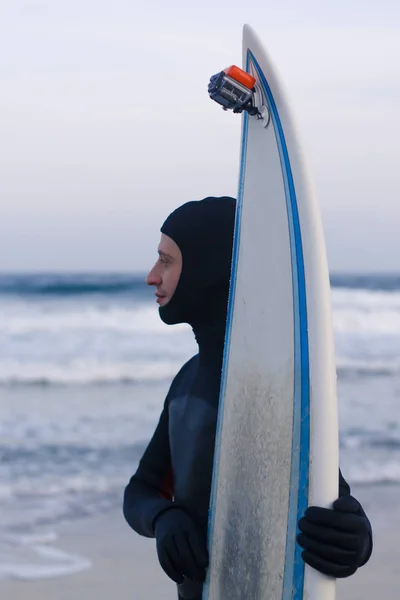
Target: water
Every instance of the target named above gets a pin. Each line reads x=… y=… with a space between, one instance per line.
x=85 y=330
x=85 y=364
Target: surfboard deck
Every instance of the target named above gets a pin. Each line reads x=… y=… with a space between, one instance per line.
x=277 y=435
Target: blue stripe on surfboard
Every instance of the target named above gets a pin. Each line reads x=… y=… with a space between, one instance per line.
x=293 y=582
x=235 y=257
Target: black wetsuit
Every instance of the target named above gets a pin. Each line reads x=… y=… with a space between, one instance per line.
x=177 y=464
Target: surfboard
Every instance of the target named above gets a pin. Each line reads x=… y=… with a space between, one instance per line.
x=277 y=434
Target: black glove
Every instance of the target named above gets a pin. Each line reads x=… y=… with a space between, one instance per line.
x=181 y=546
x=336 y=541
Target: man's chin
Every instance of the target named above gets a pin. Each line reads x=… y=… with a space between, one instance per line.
x=170 y=313
x=163 y=301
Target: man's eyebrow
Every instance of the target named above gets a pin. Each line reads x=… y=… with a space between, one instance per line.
x=161 y=253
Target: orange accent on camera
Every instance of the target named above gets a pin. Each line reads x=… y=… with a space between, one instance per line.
x=241 y=76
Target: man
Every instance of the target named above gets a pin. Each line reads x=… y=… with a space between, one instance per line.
x=168 y=496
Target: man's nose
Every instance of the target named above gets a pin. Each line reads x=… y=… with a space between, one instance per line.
x=153 y=278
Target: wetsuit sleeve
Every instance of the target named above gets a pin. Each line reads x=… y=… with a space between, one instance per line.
x=344 y=490
x=149 y=492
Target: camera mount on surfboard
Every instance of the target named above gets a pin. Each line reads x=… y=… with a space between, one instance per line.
x=236 y=90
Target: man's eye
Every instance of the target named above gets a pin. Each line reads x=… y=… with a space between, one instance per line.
x=163 y=261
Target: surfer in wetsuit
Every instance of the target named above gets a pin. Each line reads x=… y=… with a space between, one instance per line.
x=168 y=496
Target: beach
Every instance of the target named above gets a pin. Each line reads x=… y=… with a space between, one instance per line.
x=85 y=367
x=124 y=565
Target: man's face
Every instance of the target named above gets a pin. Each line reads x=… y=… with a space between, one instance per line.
x=167 y=270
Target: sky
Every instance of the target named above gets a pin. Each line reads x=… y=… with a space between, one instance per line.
x=106 y=125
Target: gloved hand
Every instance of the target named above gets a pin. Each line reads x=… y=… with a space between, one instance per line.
x=181 y=546
x=336 y=541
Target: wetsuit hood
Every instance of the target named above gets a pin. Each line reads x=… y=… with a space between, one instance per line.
x=203 y=230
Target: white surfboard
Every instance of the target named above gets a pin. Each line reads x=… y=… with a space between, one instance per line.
x=277 y=436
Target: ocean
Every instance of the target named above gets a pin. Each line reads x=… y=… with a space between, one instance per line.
x=85 y=364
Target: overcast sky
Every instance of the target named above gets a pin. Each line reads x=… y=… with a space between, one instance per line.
x=106 y=126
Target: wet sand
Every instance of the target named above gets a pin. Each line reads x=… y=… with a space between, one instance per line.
x=124 y=566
